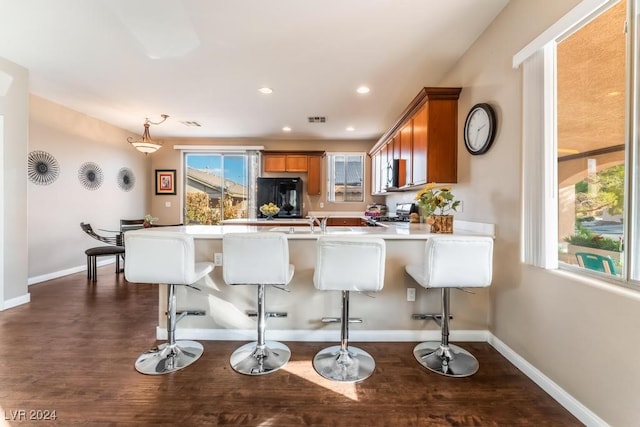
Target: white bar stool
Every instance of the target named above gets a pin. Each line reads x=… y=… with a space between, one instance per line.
x=347 y=264
x=451 y=262
x=258 y=259
x=165 y=257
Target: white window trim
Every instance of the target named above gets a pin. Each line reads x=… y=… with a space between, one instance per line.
x=330 y=155
x=574 y=17
x=540 y=203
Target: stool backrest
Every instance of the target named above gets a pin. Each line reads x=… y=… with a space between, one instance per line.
x=458 y=261
x=255 y=259
x=349 y=263
x=159 y=257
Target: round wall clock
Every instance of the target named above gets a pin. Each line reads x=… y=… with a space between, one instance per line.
x=480 y=129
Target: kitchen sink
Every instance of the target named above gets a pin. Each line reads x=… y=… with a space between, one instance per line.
x=295 y=229
x=307 y=230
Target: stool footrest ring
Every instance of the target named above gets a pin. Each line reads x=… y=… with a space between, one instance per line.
x=191 y=312
x=252 y=313
x=338 y=320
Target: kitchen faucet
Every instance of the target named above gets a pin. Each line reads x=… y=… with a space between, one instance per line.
x=322 y=223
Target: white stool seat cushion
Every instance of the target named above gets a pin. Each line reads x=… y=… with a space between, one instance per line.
x=349 y=264
x=256 y=259
x=455 y=261
x=162 y=257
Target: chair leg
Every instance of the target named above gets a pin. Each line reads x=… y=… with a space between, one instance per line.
x=172 y=355
x=88 y=267
x=94 y=268
x=344 y=363
x=442 y=357
x=260 y=357
x=117 y=263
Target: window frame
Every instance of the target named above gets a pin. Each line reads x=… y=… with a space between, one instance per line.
x=331 y=156
x=253 y=168
x=540 y=201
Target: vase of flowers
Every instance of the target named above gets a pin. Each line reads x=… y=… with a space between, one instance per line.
x=148 y=220
x=436 y=203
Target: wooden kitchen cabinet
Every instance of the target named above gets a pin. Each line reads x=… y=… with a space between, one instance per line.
x=296 y=163
x=274 y=162
x=309 y=162
x=405 y=153
x=349 y=222
x=284 y=162
x=424 y=138
x=314 y=181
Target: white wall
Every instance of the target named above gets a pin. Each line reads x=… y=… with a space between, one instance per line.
x=56 y=242
x=581 y=334
x=14 y=107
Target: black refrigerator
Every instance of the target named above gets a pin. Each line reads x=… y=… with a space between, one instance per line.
x=286 y=193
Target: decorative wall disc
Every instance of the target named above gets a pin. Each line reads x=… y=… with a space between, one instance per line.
x=90 y=175
x=42 y=168
x=126 y=179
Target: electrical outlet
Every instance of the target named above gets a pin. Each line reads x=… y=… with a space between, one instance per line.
x=460 y=207
x=217 y=258
x=321 y=205
x=411 y=294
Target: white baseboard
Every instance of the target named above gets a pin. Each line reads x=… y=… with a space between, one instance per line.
x=68 y=271
x=14 y=302
x=581 y=412
x=315 y=335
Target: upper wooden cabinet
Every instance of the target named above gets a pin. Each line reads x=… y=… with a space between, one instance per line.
x=314 y=166
x=424 y=139
x=281 y=162
x=309 y=162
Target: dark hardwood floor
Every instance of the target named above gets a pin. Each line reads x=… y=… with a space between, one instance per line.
x=71 y=350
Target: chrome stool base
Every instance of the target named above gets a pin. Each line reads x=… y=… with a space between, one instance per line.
x=167 y=358
x=451 y=360
x=348 y=366
x=252 y=360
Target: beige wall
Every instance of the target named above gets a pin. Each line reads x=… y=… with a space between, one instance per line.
x=579 y=333
x=14 y=113
x=169 y=158
x=56 y=242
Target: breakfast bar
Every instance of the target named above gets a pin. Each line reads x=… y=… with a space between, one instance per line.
x=387 y=315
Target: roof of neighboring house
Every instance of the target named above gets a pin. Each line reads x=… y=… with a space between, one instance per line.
x=213 y=181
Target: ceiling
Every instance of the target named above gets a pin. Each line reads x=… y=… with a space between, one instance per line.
x=122 y=61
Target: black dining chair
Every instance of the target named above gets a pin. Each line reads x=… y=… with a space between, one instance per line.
x=114 y=247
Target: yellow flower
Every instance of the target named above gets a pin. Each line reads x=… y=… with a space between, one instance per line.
x=432 y=199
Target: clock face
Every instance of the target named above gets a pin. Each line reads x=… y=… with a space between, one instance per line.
x=479 y=129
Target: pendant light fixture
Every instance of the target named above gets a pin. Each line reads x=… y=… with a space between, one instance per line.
x=145 y=144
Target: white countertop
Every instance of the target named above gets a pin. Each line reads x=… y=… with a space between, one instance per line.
x=387 y=231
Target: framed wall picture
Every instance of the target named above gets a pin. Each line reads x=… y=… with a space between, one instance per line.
x=165 y=181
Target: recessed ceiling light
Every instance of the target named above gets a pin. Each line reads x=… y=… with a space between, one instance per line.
x=363 y=90
x=286 y=129
x=265 y=90
x=350 y=128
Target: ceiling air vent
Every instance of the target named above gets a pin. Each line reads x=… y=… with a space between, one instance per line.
x=317 y=119
x=192 y=124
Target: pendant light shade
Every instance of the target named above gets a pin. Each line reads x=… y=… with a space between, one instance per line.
x=145 y=144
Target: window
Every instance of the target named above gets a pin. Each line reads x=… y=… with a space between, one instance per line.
x=218 y=186
x=345 y=177
x=580 y=167
x=591 y=143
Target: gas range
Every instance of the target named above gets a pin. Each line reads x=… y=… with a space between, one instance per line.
x=392 y=219
x=402 y=214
